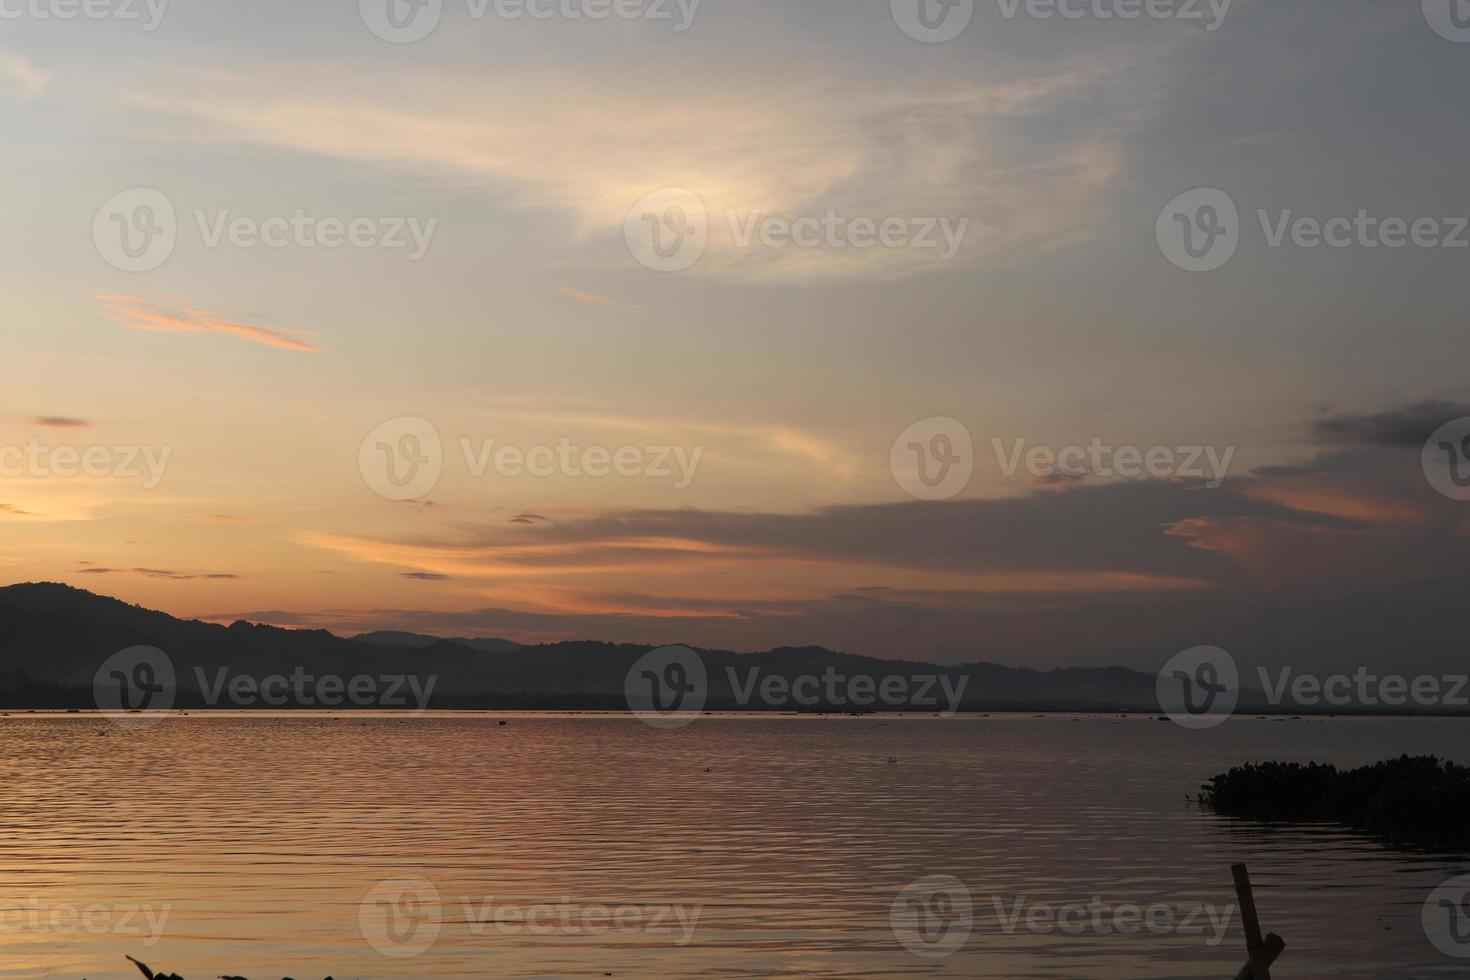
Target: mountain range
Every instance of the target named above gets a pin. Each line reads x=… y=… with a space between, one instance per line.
x=54 y=639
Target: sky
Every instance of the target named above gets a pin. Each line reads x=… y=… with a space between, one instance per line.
x=745 y=324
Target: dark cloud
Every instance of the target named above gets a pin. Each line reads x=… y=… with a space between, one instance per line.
x=162 y=573
x=1408 y=426
x=59 y=422
x=1122 y=528
x=1346 y=557
x=425 y=576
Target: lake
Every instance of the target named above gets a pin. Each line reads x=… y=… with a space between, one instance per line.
x=369 y=846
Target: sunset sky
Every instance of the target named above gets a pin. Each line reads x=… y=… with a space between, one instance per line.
x=520 y=147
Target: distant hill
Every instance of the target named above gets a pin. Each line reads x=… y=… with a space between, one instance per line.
x=417 y=641
x=54 y=638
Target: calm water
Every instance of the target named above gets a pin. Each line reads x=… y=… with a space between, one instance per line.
x=261 y=836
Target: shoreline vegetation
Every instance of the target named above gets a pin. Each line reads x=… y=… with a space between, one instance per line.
x=1411 y=801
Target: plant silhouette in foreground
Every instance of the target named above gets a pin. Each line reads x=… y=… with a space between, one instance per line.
x=143 y=968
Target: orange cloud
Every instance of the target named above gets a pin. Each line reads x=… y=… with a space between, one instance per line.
x=140 y=314
x=596 y=299
x=1349 y=504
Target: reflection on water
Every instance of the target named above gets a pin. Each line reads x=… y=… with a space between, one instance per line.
x=595 y=846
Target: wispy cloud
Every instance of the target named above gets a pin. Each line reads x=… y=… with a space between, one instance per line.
x=59 y=422
x=30 y=80
x=744 y=444
x=162 y=573
x=597 y=299
x=793 y=141
x=173 y=316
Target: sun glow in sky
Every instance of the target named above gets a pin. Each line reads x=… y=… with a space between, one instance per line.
x=478 y=184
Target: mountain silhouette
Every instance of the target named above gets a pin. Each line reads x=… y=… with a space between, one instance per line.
x=56 y=638
x=399 y=638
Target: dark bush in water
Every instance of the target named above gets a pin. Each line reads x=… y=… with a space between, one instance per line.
x=1420 y=801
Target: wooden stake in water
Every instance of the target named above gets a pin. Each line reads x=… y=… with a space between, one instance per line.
x=1263 y=951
